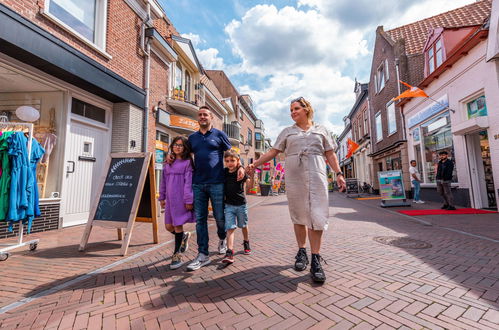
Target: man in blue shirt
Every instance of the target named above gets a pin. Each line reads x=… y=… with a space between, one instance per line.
x=208 y=145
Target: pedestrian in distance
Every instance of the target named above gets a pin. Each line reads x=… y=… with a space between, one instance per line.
x=306 y=145
x=236 y=211
x=445 y=169
x=208 y=145
x=416 y=182
x=176 y=197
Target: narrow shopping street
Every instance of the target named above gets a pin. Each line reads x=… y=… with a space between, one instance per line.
x=448 y=278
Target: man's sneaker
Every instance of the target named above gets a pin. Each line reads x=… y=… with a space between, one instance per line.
x=444 y=207
x=229 y=257
x=176 y=261
x=200 y=261
x=451 y=208
x=185 y=242
x=247 y=249
x=222 y=246
x=420 y=202
x=301 y=260
x=316 y=270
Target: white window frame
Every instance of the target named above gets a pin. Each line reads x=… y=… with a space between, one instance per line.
x=381 y=67
x=388 y=105
x=379 y=137
x=100 y=26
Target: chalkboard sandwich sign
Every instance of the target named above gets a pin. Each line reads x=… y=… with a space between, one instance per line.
x=126 y=194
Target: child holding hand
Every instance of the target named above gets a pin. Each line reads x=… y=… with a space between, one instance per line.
x=236 y=211
x=176 y=197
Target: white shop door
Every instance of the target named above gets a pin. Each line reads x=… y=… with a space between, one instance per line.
x=88 y=148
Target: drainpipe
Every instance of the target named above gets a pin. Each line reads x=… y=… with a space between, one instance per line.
x=404 y=133
x=146 y=48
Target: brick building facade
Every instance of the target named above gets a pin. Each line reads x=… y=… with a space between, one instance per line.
x=96 y=75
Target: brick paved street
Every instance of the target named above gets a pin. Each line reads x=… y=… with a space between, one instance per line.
x=453 y=284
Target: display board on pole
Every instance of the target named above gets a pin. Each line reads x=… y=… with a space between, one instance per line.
x=126 y=194
x=391 y=188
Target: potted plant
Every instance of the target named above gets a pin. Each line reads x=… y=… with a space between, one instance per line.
x=265 y=184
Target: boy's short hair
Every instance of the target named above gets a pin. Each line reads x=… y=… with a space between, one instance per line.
x=412 y=161
x=232 y=153
x=443 y=152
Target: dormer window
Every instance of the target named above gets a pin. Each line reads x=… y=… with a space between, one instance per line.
x=435 y=56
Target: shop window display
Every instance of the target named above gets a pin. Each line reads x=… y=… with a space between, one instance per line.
x=437 y=137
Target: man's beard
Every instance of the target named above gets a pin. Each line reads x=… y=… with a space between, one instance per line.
x=204 y=125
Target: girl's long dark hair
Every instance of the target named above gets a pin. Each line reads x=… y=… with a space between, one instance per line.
x=186 y=154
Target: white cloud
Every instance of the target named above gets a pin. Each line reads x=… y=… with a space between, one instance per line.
x=209 y=58
x=296 y=53
x=271 y=40
x=194 y=38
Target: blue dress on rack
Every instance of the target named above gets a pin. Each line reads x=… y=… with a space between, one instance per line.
x=23 y=197
x=37 y=152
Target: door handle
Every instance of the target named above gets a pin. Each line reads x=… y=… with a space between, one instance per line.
x=72 y=169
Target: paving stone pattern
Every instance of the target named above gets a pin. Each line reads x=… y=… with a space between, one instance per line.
x=454 y=284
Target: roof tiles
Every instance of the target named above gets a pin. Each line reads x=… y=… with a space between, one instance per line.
x=415 y=34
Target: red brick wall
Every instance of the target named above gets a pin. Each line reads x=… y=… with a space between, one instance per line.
x=122 y=39
x=383 y=50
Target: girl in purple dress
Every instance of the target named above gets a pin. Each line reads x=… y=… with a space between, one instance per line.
x=176 y=196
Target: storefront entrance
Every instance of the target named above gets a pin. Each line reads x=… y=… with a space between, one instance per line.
x=482 y=181
x=87 y=150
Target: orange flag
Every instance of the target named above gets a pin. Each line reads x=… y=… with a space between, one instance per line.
x=351 y=148
x=411 y=92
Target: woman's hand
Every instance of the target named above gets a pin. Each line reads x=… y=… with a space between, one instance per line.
x=189 y=207
x=162 y=203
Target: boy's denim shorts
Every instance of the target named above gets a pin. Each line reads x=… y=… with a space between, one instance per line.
x=235 y=216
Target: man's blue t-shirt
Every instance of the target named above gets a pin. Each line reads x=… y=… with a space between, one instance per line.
x=208 y=152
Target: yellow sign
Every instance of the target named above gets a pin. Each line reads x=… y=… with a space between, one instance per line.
x=183 y=122
x=236 y=149
x=161 y=145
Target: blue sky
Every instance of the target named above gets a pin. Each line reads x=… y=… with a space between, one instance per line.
x=278 y=50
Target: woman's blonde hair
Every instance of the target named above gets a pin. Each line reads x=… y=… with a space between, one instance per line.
x=306 y=104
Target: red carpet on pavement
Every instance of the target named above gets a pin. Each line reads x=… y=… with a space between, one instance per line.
x=439 y=211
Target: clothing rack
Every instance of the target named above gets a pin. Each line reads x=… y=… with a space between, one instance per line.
x=16 y=127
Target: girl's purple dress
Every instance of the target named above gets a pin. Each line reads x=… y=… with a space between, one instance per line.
x=176 y=190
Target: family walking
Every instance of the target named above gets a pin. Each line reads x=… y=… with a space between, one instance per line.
x=188 y=186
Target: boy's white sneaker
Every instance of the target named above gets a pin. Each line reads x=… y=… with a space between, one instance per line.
x=420 y=202
x=222 y=246
x=200 y=261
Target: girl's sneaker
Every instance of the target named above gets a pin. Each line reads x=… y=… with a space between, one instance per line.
x=247 y=249
x=176 y=261
x=185 y=242
x=229 y=257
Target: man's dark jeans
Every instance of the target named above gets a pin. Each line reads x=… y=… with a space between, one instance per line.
x=444 y=189
x=202 y=194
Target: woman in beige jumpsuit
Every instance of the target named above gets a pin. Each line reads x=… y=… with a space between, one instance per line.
x=307 y=146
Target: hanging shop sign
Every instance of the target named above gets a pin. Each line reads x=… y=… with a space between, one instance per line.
x=441 y=104
x=126 y=194
x=183 y=122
